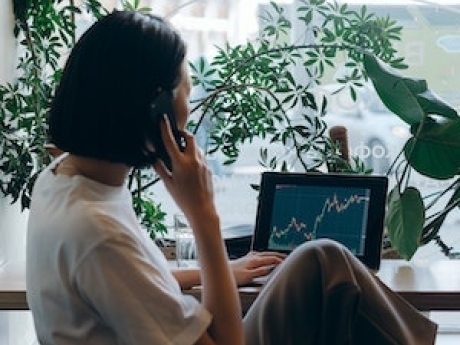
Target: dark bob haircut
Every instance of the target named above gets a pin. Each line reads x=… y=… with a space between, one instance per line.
x=112 y=76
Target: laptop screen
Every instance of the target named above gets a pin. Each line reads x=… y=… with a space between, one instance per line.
x=295 y=208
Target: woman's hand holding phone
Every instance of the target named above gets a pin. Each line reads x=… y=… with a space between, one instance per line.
x=190 y=184
x=189 y=181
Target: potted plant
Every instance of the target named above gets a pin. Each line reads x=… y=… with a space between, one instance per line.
x=433 y=151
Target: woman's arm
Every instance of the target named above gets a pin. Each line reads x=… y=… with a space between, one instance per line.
x=190 y=185
x=219 y=293
x=187 y=277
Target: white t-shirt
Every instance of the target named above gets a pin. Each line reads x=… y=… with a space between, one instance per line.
x=93 y=274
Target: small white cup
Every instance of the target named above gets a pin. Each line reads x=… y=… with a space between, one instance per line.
x=186 y=254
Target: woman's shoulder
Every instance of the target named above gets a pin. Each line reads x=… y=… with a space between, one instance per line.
x=72 y=213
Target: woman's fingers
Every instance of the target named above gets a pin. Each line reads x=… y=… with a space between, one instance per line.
x=275 y=254
x=265 y=261
x=171 y=147
x=261 y=271
x=161 y=169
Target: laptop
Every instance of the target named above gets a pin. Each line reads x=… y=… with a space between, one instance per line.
x=294 y=208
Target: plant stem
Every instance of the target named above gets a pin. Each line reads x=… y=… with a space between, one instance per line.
x=446 y=250
x=452 y=186
x=430 y=231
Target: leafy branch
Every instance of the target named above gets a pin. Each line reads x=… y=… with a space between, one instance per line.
x=284 y=108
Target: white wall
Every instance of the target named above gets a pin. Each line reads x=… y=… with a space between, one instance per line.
x=16 y=328
x=7 y=44
x=12 y=221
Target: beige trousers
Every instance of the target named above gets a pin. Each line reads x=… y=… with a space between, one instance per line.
x=322 y=294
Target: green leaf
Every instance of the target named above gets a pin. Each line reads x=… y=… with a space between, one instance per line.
x=409 y=98
x=433 y=104
x=404 y=220
x=435 y=150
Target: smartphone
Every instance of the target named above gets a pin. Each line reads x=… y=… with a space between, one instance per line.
x=160 y=106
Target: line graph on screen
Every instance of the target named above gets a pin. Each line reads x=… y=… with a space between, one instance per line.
x=306 y=213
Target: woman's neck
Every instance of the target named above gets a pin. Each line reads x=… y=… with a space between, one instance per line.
x=112 y=174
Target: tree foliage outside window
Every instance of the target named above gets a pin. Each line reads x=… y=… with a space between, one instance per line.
x=267 y=88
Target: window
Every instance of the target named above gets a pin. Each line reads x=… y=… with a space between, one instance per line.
x=430 y=43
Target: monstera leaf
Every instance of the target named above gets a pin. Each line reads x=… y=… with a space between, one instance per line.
x=404 y=220
x=409 y=98
x=434 y=151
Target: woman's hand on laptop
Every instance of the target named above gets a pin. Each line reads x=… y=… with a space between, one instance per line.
x=245 y=269
x=254 y=265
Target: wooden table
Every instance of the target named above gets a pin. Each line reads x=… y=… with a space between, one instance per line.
x=427 y=285
x=430 y=285
x=13 y=286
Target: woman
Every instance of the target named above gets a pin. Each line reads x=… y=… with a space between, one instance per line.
x=94 y=276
